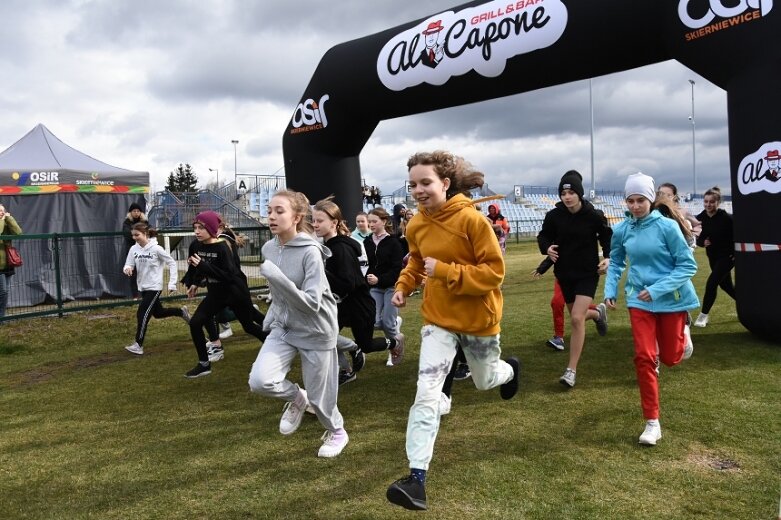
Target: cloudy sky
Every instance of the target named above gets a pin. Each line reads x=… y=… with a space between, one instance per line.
x=149 y=84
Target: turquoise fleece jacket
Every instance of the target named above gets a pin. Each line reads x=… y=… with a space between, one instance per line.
x=303 y=309
x=659 y=260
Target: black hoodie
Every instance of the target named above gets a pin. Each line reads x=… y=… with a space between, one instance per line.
x=344 y=275
x=576 y=234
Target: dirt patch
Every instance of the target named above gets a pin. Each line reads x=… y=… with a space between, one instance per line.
x=712 y=461
x=49 y=371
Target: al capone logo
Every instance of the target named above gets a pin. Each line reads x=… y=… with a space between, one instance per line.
x=709 y=16
x=480 y=38
x=36 y=178
x=309 y=115
x=761 y=171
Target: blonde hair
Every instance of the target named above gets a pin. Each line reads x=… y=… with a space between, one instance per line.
x=330 y=208
x=463 y=176
x=670 y=210
x=300 y=206
x=716 y=192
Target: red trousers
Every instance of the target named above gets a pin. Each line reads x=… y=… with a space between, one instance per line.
x=648 y=330
x=557 y=305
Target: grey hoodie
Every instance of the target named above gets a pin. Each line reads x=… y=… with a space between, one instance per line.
x=303 y=309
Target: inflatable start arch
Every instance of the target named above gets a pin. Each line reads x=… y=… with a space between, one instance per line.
x=483 y=50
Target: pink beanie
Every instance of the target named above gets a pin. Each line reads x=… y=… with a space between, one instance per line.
x=210 y=220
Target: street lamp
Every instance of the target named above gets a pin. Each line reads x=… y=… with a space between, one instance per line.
x=217 y=171
x=591 y=111
x=694 y=152
x=235 y=142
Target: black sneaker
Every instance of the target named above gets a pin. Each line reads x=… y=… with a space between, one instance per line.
x=358 y=359
x=510 y=388
x=462 y=372
x=346 y=377
x=409 y=493
x=199 y=371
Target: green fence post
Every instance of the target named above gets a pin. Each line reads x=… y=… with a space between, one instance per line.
x=57 y=274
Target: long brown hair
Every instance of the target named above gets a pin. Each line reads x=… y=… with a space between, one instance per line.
x=463 y=176
x=383 y=215
x=330 y=208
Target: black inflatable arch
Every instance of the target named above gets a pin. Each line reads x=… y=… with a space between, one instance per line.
x=483 y=50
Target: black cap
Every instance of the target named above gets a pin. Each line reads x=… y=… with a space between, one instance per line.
x=135 y=205
x=572 y=180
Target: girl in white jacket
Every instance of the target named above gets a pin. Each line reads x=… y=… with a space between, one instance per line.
x=146 y=259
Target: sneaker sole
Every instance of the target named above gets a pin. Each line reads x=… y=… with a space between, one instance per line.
x=217 y=357
x=206 y=373
x=134 y=352
x=509 y=389
x=566 y=383
x=554 y=346
x=648 y=443
x=397 y=496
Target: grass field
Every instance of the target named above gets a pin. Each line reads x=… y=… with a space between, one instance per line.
x=90 y=431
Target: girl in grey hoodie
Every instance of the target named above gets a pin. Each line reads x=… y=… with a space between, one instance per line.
x=302 y=319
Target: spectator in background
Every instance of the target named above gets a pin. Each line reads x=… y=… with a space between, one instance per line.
x=376 y=196
x=367 y=195
x=135 y=214
x=8 y=226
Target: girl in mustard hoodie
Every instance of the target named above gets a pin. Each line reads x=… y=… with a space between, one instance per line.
x=453 y=246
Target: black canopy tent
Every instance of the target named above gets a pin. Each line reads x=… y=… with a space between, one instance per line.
x=50 y=187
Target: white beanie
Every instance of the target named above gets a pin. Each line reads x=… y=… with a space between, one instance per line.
x=640 y=184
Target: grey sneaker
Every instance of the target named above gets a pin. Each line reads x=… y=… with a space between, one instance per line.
x=186 y=314
x=135 y=348
x=702 y=320
x=601 y=320
x=397 y=352
x=215 y=352
x=568 y=379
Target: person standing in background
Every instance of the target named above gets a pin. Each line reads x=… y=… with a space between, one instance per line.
x=8 y=226
x=135 y=214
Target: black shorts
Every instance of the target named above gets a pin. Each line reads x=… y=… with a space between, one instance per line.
x=571 y=287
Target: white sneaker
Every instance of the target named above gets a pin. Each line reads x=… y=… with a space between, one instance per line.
x=568 y=379
x=293 y=414
x=225 y=330
x=389 y=363
x=135 y=348
x=398 y=323
x=445 y=404
x=215 y=352
x=701 y=321
x=333 y=443
x=688 y=349
x=652 y=433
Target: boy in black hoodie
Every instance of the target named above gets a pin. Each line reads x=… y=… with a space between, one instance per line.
x=569 y=236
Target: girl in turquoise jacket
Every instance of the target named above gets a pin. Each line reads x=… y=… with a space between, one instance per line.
x=658 y=289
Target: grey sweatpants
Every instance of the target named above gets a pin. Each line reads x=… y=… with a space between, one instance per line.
x=319 y=369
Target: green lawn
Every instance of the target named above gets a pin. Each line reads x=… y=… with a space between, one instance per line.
x=90 y=431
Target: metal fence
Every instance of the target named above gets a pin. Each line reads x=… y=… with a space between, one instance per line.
x=70 y=272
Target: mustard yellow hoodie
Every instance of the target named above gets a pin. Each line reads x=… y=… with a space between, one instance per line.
x=463 y=294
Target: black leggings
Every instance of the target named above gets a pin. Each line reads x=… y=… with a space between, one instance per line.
x=720 y=276
x=150 y=307
x=363 y=333
x=215 y=300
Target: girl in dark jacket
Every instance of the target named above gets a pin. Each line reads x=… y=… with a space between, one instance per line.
x=355 y=306
x=569 y=236
x=385 y=255
x=211 y=262
x=716 y=237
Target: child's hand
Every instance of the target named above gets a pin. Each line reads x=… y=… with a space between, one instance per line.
x=610 y=302
x=128 y=270
x=194 y=260
x=430 y=264
x=191 y=291
x=553 y=252
x=398 y=299
x=536 y=274
x=371 y=279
